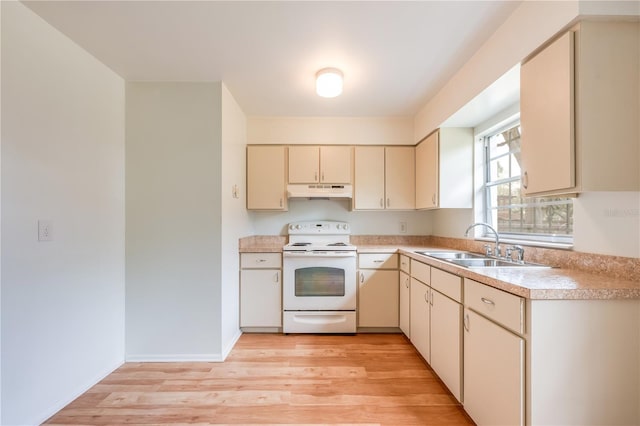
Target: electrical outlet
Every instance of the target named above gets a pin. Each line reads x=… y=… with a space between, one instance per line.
x=45 y=230
x=403 y=227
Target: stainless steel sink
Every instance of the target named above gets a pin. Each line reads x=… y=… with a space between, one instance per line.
x=495 y=263
x=474 y=260
x=451 y=255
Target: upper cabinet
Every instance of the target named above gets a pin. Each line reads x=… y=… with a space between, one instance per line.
x=384 y=178
x=579 y=111
x=444 y=169
x=320 y=164
x=266 y=183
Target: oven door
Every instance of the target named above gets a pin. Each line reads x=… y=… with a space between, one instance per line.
x=319 y=281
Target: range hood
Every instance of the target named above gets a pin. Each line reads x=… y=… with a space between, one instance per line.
x=320 y=190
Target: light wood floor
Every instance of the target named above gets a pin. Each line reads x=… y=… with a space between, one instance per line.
x=367 y=379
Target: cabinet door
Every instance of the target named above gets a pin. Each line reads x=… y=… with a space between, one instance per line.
x=446 y=341
x=427 y=172
x=405 y=294
x=547 y=118
x=260 y=298
x=493 y=373
x=335 y=164
x=419 y=318
x=400 y=178
x=378 y=298
x=369 y=178
x=266 y=178
x=304 y=164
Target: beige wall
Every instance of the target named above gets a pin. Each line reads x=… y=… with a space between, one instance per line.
x=173 y=221
x=62 y=161
x=235 y=221
x=330 y=130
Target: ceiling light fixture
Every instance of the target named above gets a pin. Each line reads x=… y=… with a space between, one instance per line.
x=329 y=82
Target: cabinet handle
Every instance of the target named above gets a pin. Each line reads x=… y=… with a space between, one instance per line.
x=261 y=260
x=426 y=297
x=361 y=277
x=465 y=322
x=431 y=297
x=525 y=180
x=488 y=301
x=406 y=283
x=433 y=199
x=276 y=277
x=280 y=202
x=378 y=261
x=388 y=202
x=381 y=202
x=323 y=176
x=315 y=176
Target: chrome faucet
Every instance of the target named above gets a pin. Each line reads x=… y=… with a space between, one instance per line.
x=497 y=252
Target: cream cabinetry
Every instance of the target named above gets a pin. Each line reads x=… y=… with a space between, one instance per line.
x=260 y=290
x=399 y=185
x=446 y=330
x=378 y=290
x=320 y=164
x=493 y=372
x=384 y=178
x=420 y=317
x=420 y=308
x=444 y=169
x=579 y=111
x=266 y=177
x=494 y=369
x=405 y=295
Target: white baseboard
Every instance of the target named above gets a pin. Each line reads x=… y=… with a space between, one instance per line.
x=227 y=350
x=220 y=357
x=63 y=402
x=175 y=358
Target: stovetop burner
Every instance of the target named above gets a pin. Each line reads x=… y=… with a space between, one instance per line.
x=319 y=236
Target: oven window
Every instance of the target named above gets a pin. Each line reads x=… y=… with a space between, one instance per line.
x=319 y=281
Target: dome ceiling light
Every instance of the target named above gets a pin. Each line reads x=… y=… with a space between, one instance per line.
x=329 y=82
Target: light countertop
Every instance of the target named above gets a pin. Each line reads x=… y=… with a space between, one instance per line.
x=534 y=284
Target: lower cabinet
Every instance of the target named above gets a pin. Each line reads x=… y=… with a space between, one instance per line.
x=378 y=291
x=378 y=298
x=405 y=300
x=494 y=355
x=420 y=318
x=493 y=372
x=446 y=341
x=260 y=290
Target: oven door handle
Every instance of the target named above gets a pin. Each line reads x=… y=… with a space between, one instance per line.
x=319 y=255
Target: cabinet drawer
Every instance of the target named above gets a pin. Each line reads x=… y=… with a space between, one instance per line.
x=378 y=261
x=421 y=271
x=260 y=260
x=404 y=263
x=447 y=284
x=502 y=307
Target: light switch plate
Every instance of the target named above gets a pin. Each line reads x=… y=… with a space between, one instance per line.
x=45 y=230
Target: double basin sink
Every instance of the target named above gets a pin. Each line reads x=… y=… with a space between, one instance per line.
x=474 y=260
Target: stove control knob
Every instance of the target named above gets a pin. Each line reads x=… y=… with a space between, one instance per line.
x=298 y=227
x=291 y=227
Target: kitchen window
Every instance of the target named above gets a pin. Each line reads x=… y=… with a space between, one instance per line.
x=541 y=219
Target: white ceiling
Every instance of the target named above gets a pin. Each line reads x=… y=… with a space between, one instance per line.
x=395 y=55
